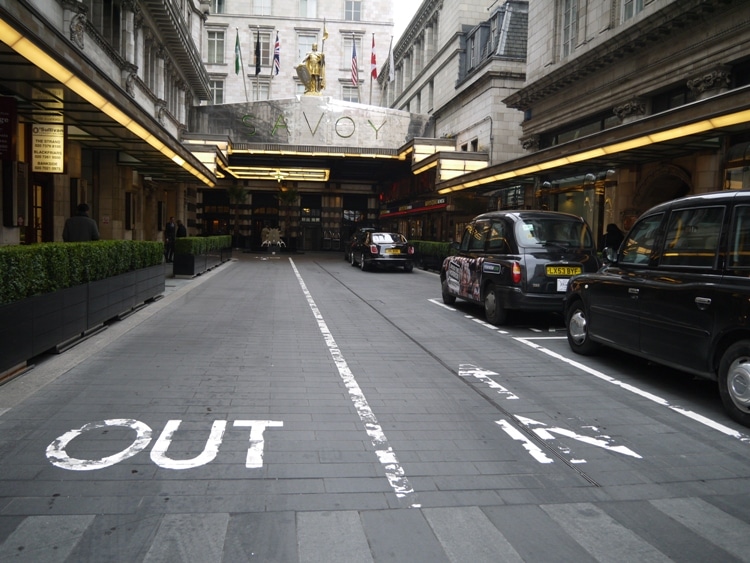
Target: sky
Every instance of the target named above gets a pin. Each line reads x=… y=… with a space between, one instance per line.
x=403 y=12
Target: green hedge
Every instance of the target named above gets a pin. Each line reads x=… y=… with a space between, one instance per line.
x=43 y=268
x=202 y=245
x=439 y=250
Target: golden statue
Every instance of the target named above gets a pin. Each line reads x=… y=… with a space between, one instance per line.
x=312 y=71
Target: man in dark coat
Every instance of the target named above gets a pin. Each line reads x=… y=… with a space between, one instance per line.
x=80 y=227
x=170 y=230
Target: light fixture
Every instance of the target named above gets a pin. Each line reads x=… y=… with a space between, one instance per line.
x=35 y=55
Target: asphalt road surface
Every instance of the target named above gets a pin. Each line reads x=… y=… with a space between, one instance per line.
x=293 y=408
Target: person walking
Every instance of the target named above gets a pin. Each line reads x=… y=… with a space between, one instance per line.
x=80 y=227
x=170 y=230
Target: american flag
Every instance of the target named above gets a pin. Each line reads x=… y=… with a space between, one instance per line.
x=276 y=55
x=355 y=76
x=373 y=64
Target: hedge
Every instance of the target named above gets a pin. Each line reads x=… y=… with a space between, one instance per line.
x=33 y=269
x=438 y=250
x=201 y=245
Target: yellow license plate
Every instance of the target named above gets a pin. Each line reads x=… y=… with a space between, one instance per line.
x=563 y=270
x=393 y=251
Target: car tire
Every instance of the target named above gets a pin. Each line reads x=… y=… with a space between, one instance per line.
x=734 y=381
x=408 y=267
x=448 y=297
x=576 y=325
x=352 y=261
x=495 y=313
x=362 y=264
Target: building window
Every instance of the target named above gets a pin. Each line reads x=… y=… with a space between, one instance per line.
x=216 y=47
x=217 y=91
x=266 y=49
x=631 y=8
x=308 y=8
x=106 y=17
x=353 y=10
x=569 y=26
x=350 y=94
x=260 y=89
x=262 y=7
x=304 y=45
x=217 y=6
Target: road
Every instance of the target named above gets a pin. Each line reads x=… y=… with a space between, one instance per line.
x=293 y=408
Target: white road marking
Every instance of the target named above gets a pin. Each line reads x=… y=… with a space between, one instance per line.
x=600 y=441
x=257 y=443
x=58 y=456
x=470 y=370
x=640 y=392
x=393 y=470
x=159 y=451
x=534 y=450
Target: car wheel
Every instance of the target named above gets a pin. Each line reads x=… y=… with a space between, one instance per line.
x=578 y=333
x=734 y=381
x=448 y=297
x=496 y=314
x=362 y=264
x=351 y=256
x=408 y=267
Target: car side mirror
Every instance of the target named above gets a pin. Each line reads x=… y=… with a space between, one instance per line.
x=609 y=255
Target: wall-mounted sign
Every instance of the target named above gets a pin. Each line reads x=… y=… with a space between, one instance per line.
x=8 y=124
x=48 y=148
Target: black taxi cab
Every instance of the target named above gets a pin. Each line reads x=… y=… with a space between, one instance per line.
x=676 y=292
x=518 y=260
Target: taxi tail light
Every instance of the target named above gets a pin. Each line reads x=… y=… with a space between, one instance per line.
x=374 y=249
x=515 y=272
x=411 y=250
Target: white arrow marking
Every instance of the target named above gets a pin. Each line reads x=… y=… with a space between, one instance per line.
x=600 y=442
x=470 y=370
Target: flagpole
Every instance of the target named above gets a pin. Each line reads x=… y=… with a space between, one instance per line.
x=242 y=66
x=257 y=65
x=372 y=54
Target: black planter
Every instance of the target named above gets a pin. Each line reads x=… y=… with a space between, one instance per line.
x=196 y=264
x=32 y=326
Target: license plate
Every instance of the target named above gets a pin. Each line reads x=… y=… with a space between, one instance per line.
x=567 y=271
x=393 y=251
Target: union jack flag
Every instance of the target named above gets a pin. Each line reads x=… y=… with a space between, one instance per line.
x=276 y=55
x=355 y=75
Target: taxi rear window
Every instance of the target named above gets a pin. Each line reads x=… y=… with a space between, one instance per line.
x=553 y=231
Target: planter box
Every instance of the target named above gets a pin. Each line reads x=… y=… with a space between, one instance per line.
x=32 y=326
x=195 y=264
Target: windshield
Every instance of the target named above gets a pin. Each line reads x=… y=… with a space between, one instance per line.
x=544 y=232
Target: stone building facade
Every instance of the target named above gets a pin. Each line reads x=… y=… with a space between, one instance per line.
x=627 y=103
x=455 y=63
x=298 y=25
x=95 y=98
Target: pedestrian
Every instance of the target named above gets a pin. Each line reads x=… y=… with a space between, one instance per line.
x=612 y=238
x=170 y=230
x=181 y=230
x=80 y=227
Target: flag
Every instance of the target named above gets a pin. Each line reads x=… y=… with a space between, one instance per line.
x=391 y=66
x=257 y=54
x=325 y=33
x=276 y=55
x=373 y=63
x=237 y=55
x=355 y=77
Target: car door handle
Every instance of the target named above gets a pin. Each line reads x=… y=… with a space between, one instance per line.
x=703 y=302
x=633 y=292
